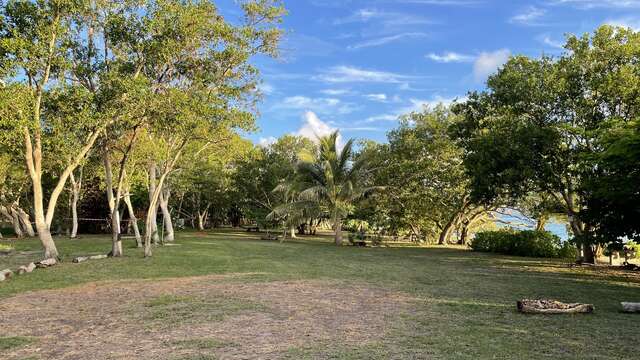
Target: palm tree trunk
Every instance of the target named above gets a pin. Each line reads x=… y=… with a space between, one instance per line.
x=338 y=231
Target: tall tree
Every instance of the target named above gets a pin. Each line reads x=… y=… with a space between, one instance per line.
x=332 y=177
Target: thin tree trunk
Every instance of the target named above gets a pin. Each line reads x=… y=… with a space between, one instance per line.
x=166 y=215
x=132 y=219
x=293 y=232
x=15 y=221
x=338 y=232
x=76 y=186
x=116 y=239
x=202 y=219
x=151 y=227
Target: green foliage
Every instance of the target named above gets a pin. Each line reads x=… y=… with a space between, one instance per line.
x=520 y=243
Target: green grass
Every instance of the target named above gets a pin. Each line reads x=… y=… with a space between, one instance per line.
x=465 y=301
x=9 y=343
x=171 y=309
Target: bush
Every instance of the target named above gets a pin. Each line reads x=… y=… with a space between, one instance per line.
x=522 y=243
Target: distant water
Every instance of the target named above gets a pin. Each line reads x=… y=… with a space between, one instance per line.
x=554 y=227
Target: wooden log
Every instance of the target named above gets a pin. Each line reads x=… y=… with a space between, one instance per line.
x=5 y=274
x=629 y=307
x=552 y=307
x=46 y=263
x=80 y=259
x=26 y=268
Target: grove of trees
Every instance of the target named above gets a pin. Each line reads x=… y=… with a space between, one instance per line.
x=119 y=111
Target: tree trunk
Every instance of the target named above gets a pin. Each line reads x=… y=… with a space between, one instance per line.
x=338 y=232
x=151 y=227
x=443 y=239
x=132 y=219
x=76 y=186
x=202 y=219
x=11 y=216
x=116 y=240
x=166 y=215
x=293 y=232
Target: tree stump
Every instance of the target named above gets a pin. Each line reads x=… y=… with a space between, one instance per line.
x=552 y=307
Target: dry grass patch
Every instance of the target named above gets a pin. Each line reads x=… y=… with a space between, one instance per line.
x=201 y=317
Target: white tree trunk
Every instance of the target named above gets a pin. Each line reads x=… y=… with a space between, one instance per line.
x=116 y=241
x=166 y=215
x=13 y=219
x=133 y=220
x=151 y=227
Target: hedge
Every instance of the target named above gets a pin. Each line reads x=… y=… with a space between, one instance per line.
x=523 y=243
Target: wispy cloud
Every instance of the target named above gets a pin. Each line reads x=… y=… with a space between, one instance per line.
x=450 y=57
x=529 y=16
x=387 y=39
x=387 y=18
x=488 y=62
x=444 y=2
x=337 y=92
x=350 y=74
x=626 y=22
x=549 y=41
x=319 y=105
x=377 y=97
x=590 y=4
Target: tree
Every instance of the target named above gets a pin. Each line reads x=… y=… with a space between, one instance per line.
x=332 y=178
x=427 y=188
x=611 y=186
x=540 y=118
x=34 y=42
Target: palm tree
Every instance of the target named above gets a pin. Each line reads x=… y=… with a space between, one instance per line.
x=333 y=178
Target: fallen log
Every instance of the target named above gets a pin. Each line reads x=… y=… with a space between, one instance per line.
x=5 y=274
x=26 y=268
x=46 y=263
x=629 y=307
x=80 y=259
x=552 y=307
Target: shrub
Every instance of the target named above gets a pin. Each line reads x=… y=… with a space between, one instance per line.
x=522 y=243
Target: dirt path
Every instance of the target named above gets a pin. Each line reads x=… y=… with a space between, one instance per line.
x=189 y=318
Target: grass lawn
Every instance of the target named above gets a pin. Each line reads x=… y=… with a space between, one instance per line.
x=239 y=297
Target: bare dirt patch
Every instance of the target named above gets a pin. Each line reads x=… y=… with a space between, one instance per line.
x=189 y=318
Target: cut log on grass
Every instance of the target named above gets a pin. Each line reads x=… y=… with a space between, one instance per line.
x=80 y=259
x=629 y=307
x=26 y=269
x=46 y=263
x=552 y=307
x=5 y=274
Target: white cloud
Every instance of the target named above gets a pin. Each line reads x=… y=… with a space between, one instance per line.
x=346 y=74
x=266 y=88
x=319 y=105
x=590 y=4
x=266 y=142
x=626 y=22
x=383 y=117
x=377 y=97
x=415 y=105
x=385 y=18
x=336 y=92
x=450 y=57
x=313 y=128
x=488 y=62
x=528 y=16
x=386 y=40
x=547 y=40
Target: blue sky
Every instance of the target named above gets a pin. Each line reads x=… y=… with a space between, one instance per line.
x=355 y=65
